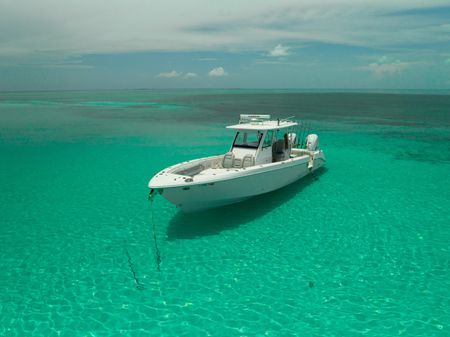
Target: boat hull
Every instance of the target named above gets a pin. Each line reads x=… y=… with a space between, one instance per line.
x=262 y=180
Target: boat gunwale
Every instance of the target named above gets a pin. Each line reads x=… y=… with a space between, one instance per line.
x=233 y=173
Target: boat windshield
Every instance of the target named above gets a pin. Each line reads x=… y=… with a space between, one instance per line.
x=247 y=139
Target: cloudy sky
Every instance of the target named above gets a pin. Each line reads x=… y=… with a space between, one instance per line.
x=95 y=44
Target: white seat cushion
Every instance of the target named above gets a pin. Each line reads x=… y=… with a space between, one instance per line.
x=237 y=163
x=227 y=161
x=248 y=160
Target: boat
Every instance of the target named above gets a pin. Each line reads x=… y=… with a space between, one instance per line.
x=265 y=155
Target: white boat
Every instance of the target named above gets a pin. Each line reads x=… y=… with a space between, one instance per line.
x=265 y=156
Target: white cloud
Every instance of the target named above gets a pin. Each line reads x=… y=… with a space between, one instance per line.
x=63 y=26
x=64 y=29
x=279 y=51
x=174 y=74
x=272 y=61
x=383 y=59
x=207 y=59
x=171 y=74
x=190 y=75
x=217 y=72
x=386 y=66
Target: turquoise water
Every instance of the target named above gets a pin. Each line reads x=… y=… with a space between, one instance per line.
x=362 y=250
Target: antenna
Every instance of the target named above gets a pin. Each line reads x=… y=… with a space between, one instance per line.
x=286 y=119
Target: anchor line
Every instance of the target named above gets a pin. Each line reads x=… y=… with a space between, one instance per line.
x=139 y=285
x=157 y=252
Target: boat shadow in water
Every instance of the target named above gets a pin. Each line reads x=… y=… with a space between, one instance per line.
x=211 y=222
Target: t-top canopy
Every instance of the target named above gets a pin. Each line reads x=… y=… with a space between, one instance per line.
x=261 y=122
x=243 y=118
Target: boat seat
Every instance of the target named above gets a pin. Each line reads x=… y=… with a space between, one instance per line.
x=248 y=160
x=278 y=146
x=278 y=151
x=228 y=159
x=237 y=163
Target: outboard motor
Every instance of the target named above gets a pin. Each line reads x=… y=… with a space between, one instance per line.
x=312 y=142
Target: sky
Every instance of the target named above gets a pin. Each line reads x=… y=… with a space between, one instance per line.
x=116 y=44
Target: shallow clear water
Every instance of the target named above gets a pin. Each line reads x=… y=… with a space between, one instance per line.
x=363 y=249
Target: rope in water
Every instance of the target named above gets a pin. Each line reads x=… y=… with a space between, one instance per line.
x=139 y=285
x=157 y=252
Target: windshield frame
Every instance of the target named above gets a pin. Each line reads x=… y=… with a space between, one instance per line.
x=247 y=146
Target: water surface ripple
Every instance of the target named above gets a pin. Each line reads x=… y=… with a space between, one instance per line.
x=361 y=250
